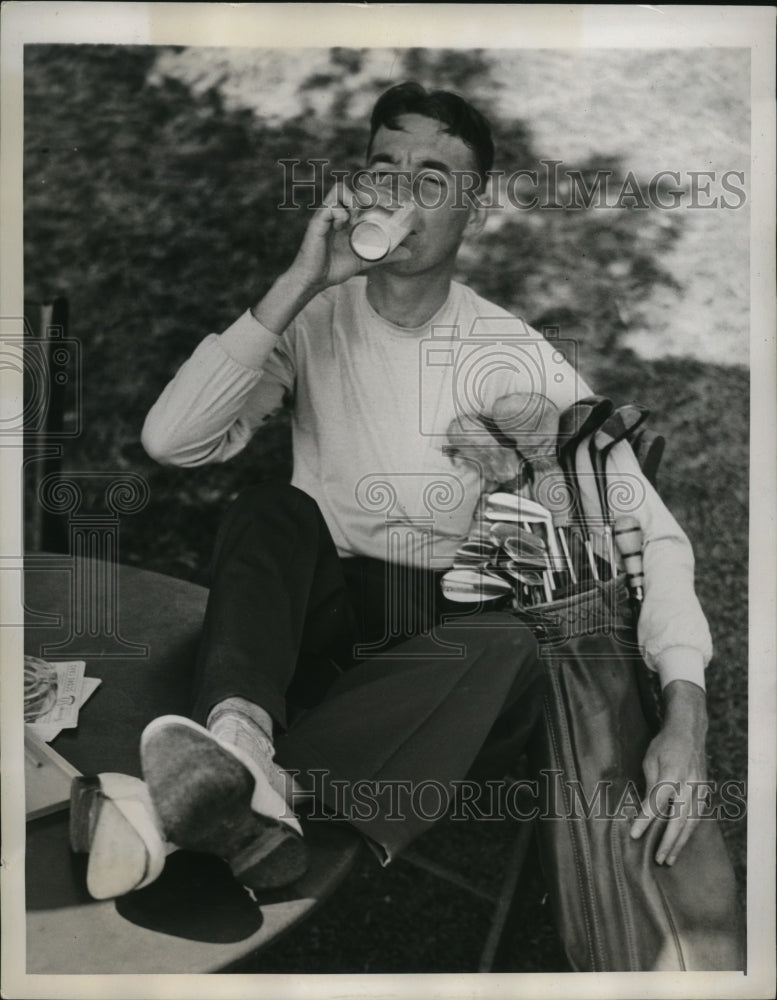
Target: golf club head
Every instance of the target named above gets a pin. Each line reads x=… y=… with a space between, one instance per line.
x=616 y=428
x=592 y=514
x=520 y=536
x=599 y=408
x=521 y=556
x=579 y=420
x=501 y=507
x=501 y=530
x=634 y=415
x=514 y=507
x=649 y=447
x=517 y=517
x=479 y=550
x=467 y=586
x=575 y=423
x=464 y=562
x=472 y=555
x=621 y=424
x=528 y=576
x=515 y=504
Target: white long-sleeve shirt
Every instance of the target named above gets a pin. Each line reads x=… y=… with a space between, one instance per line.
x=372 y=405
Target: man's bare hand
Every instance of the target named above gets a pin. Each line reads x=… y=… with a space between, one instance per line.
x=325 y=257
x=675 y=771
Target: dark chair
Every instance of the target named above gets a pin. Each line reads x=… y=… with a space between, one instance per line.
x=51 y=384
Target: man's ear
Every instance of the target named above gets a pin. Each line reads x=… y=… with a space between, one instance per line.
x=477 y=217
x=477 y=209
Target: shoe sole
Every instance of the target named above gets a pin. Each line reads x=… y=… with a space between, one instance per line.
x=124 y=852
x=202 y=795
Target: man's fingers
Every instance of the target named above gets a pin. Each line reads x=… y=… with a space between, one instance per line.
x=640 y=824
x=655 y=805
x=338 y=194
x=682 y=840
x=681 y=808
x=326 y=218
x=340 y=218
x=674 y=829
x=344 y=203
x=671 y=803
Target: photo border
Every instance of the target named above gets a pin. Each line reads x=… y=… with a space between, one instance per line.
x=404 y=26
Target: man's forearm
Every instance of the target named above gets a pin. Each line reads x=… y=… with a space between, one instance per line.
x=675 y=767
x=287 y=297
x=200 y=416
x=685 y=707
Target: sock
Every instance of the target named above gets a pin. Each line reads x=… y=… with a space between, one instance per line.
x=247 y=729
x=244 y=725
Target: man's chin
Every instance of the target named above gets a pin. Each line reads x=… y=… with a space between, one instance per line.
x=419 y=263
x=408 y=266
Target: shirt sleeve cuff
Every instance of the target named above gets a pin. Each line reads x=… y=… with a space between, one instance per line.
x=681 y=663
x=248 y=342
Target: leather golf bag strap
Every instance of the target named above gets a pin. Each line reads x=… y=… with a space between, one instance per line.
x=615 y=908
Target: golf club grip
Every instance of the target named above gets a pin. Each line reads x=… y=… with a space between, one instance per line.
x=649 y=447
x=628 y=538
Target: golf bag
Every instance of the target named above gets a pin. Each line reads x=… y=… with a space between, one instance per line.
x=616 y=909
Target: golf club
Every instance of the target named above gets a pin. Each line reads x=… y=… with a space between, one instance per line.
x=519 y=548
x=530 y=550
x=622 y=423
x=617 y=427
x=529 y=579
x=552 y=492
x=530 y=541
x=483 y=551
x=649 y=448
x=527 y=576
x=589 y=549
x=514 y=507
x=628 y=538
x=527 y=560
x=576 y=422
x=467 y=586
x=500 y=530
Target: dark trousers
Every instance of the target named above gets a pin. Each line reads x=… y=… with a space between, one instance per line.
x=370 y=674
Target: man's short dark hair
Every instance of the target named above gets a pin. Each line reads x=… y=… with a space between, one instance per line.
x=456 y=115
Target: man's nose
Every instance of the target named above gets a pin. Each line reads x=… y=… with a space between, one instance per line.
x=394 y=186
